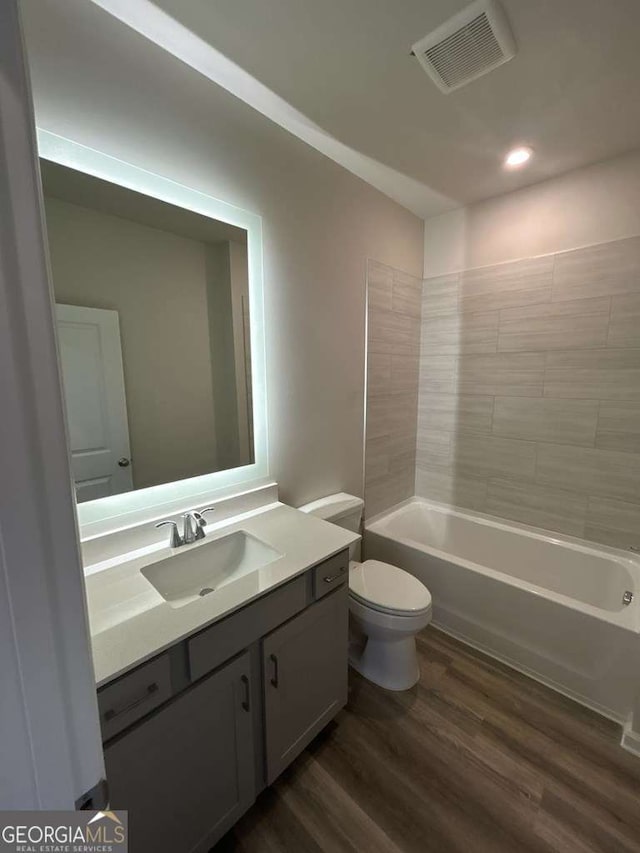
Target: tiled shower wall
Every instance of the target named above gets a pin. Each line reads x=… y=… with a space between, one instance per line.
x=394 y=311
x=529 y=391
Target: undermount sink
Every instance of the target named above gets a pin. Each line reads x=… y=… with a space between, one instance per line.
x=188 y=576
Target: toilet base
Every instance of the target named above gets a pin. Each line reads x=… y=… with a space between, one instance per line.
x=389 y=663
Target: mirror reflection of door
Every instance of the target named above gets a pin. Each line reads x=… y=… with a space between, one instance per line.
x=94 y=393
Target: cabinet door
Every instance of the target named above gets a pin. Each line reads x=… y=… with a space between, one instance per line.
x=305 y=678
x=187 y=774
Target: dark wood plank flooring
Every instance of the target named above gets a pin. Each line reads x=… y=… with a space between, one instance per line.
x=475 y=758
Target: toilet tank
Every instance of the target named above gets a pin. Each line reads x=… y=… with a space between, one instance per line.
x=341 y=509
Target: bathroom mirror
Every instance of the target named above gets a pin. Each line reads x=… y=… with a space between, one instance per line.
x=155 y=303
x=152 y=310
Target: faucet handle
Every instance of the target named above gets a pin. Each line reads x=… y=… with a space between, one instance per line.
x=175 y=540
x=202 y=522
x=197 y=514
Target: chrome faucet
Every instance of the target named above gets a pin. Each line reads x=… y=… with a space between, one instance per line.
x=192 y=530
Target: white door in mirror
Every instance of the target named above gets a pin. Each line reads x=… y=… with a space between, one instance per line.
x=93 y=379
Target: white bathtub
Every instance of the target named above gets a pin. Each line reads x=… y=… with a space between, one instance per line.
x=548 y=605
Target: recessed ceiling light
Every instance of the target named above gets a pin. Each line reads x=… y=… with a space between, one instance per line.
x=518 y=157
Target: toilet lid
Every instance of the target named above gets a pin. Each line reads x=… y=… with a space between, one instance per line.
x=388 y=588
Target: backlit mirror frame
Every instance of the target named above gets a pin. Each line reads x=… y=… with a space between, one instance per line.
x=123 y=510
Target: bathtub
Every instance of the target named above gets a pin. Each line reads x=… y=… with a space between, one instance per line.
x=551 y=606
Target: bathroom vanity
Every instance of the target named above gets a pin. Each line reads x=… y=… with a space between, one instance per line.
x=195 y=729
x=217 y=661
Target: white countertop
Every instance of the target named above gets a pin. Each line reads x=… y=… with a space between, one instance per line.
x=129 y=620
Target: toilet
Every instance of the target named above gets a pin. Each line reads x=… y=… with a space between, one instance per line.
x=387 y=606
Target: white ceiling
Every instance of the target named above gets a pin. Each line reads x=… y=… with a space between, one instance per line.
x=571 y=92
x=338 y=74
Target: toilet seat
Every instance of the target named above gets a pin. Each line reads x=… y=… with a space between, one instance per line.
x=388 y=589
x=396 y=623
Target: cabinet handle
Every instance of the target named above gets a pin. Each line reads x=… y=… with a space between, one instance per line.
x=112 y=713
x=247 y=695
x=274 y=677
x=332 y=578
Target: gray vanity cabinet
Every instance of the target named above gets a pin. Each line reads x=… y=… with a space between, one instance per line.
x=192 y=735
x=186 y=774
x=305 y=678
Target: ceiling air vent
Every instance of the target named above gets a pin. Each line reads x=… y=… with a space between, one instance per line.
x=472 y=43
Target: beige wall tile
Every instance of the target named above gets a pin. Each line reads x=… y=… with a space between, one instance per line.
x=613 y=538
x=392 y=414
x=454 y=333
x=389 y=490
x=601 y=374
x=378 y=416
x=377 y=457
x=546 y=419
x=392 y=444
x=589 y=471
x=513 y=275
x=505 y=374
x=379 y=286
x=405 y=373
x=576 y=324
x=388 y=453
x=407 y=295
x=402 y=277
x=513 y=390
x=394 y=333
x=433 y=448
x=608 y=269
x=379 y=272
x=453 y=489
x=525 y=282
x=440 y=296
x=403 y=462
x=624 y=326
x=479 y=455
x=540 y=506
x=614 y=522
x=619 y=426
x=453 y=412
x=510 y=299
x=617 y=515
x=439 y=374
x=378 y=373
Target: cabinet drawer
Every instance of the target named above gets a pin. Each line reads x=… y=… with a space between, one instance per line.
x=134 y=695
x=226 y=638
x=330 y=574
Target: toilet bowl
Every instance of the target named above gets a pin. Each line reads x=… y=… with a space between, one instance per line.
x=388 y=607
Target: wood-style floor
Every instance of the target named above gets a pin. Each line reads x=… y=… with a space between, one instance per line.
x=476 y=758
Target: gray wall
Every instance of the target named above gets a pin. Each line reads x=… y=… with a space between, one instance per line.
x=529 y=401
x=394 y=308
x=595 y=204
x=320 y=223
